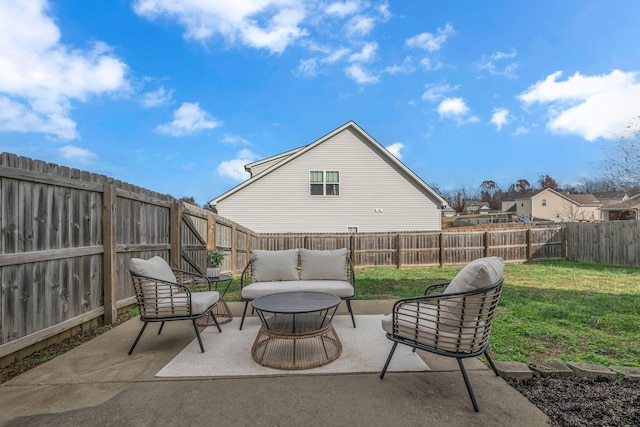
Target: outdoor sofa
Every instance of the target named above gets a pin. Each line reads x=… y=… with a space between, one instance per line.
x=270 y=272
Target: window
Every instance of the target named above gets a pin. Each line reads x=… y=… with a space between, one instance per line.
x=544 y=202
x=324 y=183
x=352 y=230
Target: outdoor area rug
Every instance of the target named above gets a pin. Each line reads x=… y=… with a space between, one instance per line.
x=228 y=354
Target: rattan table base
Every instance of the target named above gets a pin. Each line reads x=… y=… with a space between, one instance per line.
x=222 y=312
x=288 y=350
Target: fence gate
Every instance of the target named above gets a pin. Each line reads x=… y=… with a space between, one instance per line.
x=194 y=242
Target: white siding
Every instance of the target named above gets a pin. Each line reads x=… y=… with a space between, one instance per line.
x=374 y=195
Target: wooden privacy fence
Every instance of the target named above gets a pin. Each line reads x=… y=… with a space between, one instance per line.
x=68 y=236
x=613 y=243
x=412 y=249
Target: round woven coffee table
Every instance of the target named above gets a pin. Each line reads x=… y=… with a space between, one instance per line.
x=296 y=331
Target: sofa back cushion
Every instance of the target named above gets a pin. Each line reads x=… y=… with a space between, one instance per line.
x=271 y=266
x=323 y=265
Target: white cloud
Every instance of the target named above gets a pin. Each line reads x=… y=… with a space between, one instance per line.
x=360 y=25
x=591 y=107
x=187 y=120
x=367 y=54
x=265 y=24
x=493 y=64
x=77 y=154
x=235 y=168
x=396 y=149
x=228 y=138
x=406 y=67
x=456 y=108
x=500 y=117
x=342 y=9
x=521 y=130
x=435 y=92
x=156 y=98
x=360 y=75
x=307 y=68
x=428 y=65
x=430 y=42
x=40 y=77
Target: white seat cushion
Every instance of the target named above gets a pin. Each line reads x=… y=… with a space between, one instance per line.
x=423 y=329
x=338 y=288
x=201 y=301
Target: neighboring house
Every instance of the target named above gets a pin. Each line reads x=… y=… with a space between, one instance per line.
x=342 y=182
x=555 y=206
x=619 y=206
x=448 y=211
x=474 y=207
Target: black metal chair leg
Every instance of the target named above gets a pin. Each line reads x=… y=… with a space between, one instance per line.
x=195 y=326
x=495 y=370
x=244 y=312
x=468 y=384
x=161 y=326
x=353 y=320
x=138 y=338
x=215 y=320
x=386 y=365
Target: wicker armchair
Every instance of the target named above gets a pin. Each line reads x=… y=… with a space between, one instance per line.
x=161 y=298
x=452 y=324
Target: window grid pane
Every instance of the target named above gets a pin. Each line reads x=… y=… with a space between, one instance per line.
x=316 y=177
x=333 y=177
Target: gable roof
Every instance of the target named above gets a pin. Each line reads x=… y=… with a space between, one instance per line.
x=290 y=155
x=578 y=199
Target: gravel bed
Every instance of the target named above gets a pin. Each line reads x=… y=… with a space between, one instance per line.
x=577 y=401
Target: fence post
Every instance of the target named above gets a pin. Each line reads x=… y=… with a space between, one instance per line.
x=175 y=226
x=234 y=248
x=109 y=284
x=399 y=250
x=211 y=232
x=529 y=253
x=442 y=251
x=352 y=239
x=487 y=243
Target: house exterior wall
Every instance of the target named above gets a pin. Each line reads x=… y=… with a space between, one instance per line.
x=523 y=208
x=374 y=195
x=551 y=206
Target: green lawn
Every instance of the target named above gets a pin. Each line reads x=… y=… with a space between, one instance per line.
x=548 y=311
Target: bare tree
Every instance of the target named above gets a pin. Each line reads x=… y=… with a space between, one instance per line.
x=623 y=157
x=569 y=212
x=546 y=181
x=190 y=199
x=488 y=192
x=520 y=186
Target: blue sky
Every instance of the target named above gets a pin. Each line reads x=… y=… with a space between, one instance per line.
x=177 y=95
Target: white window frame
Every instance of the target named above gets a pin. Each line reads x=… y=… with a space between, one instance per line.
x=324 y=183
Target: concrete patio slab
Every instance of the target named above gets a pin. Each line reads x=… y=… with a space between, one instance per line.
x=97 y=383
